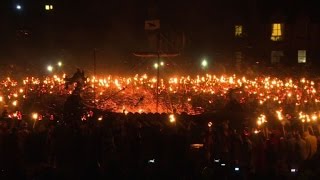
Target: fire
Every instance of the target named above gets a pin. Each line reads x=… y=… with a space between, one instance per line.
x=181 y=92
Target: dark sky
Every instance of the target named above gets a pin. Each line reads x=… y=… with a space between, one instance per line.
x=74 y=28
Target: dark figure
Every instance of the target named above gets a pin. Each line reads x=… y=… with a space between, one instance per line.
x=78 y=77
x=73 y=107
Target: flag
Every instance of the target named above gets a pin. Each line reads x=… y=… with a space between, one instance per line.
x=152 y=24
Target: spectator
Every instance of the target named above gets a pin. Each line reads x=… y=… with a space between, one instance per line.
x=311 y=141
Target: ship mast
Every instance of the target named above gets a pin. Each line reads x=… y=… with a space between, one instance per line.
x=152 y=28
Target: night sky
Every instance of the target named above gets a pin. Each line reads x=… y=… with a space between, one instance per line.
x=116 y=27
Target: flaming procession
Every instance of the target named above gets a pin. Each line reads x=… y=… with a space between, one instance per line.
x=263 y=99
x=160 y=90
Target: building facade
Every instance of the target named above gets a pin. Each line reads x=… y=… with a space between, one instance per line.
x=287 y=35
x=283 y=32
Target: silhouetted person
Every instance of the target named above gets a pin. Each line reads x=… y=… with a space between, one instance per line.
x=78 y=77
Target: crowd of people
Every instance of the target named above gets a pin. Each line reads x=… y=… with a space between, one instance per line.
x=128 y=147
x=75 y=144
x=271 y=154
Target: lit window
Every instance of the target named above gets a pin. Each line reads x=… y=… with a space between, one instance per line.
x=276 y=56
x=48 y=7
x=302 y=56
x=238 y=30
x=277 y=32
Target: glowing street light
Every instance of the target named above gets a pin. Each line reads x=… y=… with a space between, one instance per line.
x=59 y=63
x=156 y=65
x=204 y=63
x=18 y=7
x=50 y=68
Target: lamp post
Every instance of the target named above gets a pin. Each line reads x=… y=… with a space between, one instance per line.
x=157 y=55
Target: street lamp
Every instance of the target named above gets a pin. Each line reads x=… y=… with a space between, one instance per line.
x=18 y=7
x=59 y=63
x=156 y=66
x=50 y=68
x=204 y=63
